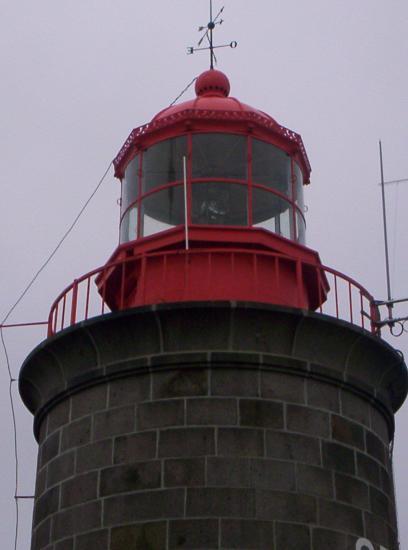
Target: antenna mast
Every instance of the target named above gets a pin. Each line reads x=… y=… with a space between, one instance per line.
x=390 y=302
x=387 y=259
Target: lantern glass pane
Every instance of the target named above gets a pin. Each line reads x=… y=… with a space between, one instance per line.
x=299 y=187
x=163 y=163
x=130 y=184
x=128 y=226
x=163 y=210
x=220 y=156
x=271 y=167
x=271 y=212
x=219 y=203
x=301 y=228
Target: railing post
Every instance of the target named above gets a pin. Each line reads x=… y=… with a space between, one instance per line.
x=299 y=282
x=74 y=302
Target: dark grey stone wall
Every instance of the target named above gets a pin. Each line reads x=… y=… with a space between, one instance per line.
x=196 y=428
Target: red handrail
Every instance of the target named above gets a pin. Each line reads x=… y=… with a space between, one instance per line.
x=339 y=305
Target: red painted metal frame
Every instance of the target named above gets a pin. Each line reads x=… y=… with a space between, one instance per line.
x=248 y=182
x=340 y=308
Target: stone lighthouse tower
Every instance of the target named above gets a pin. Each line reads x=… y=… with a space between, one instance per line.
x=214 y=386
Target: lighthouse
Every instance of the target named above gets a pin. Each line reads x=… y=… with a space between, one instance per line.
x=214 y=385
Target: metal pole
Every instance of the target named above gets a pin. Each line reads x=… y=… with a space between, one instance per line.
x=387 y=260
x=211 y=26
x=185 y=201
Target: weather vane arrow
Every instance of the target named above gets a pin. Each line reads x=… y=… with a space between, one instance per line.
x=208 y=35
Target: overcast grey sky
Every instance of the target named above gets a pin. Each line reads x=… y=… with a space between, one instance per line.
x=76 y=77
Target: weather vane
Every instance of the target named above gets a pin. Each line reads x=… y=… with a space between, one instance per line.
x=208 y=35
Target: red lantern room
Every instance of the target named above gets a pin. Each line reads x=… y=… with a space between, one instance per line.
x=212 y=208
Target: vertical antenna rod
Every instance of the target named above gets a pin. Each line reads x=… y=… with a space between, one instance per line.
x=185 y=202
x=387 y=260
x=211 y=27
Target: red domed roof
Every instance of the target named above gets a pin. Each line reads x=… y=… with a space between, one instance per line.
x=212 y=90
x=214 y=109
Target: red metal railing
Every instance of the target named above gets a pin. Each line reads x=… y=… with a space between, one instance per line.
x=347 y=299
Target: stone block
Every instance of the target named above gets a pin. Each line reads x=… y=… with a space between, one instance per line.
x=307 y=421
x=313 y=480
x=212 y=411
x=128 y=448
x=238 y=382
x=293 y=537
x=182 y=382
x=283 y=387
x=147 y=505
x=261 y=413
x=137 y=476
x=95 y=455
x=355 y=407
x=337 y=457
x=375 y=447
x=160 y=414
x=228 y=472
x=293 y=447
x=112 y=422
x=368 y=469
x=322 y=395
x=50 y=448
x=387 y=484
x=46 y=505
x=243 y=442
x=378 y=531
x=77 y=520
x=186 y=442
x=61 y=468
x=89 y=401
x=41 y=482
x=379 y=425
x=129 y=391
x=347 y=432
x=184 y=472
x=97 y=540
x=192 y=330
x=239 y=533
x=272 y=474
x=41 y=534
x=272 y=505
x=148 y=536
x=220 y=502
x=340 y=517
x=326 y=538
x=352 y=491
x=76 y=434
x=380 y=505
x=58 y=416
x=66 y=544
x=193 y=533
x=79 y=489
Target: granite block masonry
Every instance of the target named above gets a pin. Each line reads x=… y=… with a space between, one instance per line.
x=214 y=425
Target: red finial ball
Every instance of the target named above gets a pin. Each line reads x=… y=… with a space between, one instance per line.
x=212 y=83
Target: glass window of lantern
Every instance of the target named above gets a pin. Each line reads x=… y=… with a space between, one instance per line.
x=163 y=210
x=219 y=203
x=163 y=163
x=220 y=156
x=299 y=187
x=130 y=184
x=271 y=167
x=128 y=226
x=301 y=228
x=272 y=212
